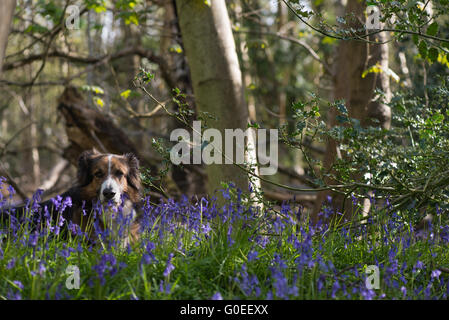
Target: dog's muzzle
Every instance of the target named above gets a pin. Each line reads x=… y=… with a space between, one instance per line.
x=110 y=191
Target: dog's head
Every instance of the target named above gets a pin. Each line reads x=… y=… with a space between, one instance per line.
x=108 y=177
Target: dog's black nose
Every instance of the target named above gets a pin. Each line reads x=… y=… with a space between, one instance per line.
x=108 y=194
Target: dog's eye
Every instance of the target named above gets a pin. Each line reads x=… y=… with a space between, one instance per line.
x=98 y=174
x=119 y=174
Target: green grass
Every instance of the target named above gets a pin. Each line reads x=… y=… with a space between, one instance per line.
x=291 y=262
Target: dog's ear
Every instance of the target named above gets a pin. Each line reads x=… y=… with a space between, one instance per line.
x=84 y=175
x=134 y=173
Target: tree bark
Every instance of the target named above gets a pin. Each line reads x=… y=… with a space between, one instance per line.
x=187 y=177
x=6 y=13
x=216 y=76
x=354 y=57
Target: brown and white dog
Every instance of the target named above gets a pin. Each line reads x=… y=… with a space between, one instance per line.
x=111 y=179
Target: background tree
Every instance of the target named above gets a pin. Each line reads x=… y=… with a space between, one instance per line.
x=361 y=68
x=6 y=13
x=216 y=76
x=296 y=58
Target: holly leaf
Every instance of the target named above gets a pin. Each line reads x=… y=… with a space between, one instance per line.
x=433 y=54
x=432 y=30
x=422 y=48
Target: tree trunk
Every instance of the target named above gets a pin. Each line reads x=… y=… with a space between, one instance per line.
x=188 y=178
x=354 y=57
x=6 y=13
x=216 y=76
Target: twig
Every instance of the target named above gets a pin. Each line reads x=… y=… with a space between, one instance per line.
x=11 y=181
x=367 y=35
x=5 y=147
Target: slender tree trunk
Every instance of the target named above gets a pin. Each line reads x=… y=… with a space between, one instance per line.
x=6 y=13
x=354 y=57
x=216 y=76
x=250 y=99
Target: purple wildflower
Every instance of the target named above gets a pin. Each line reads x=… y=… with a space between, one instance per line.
x=249 y=284
x=217 y=296
x=41 y=269
x=253 y=255
x=335 y=288
x=435 y=274
x=368 y=294
x=11 y=191
x=230 y=240
x=165 y=289
x=32 y=241
x=320 y=283
x=418 y=266
x=404 y=291
x=11 y=264
x=169 y=266
x=14 y=296
x=18 y=284
x=205 y=228
x=280 y=283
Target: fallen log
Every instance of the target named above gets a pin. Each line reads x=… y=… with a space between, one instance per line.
x=89 y=128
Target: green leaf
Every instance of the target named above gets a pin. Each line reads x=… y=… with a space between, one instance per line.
x=99 y=101
x=442 y=58
x=301 y=125
x=125 y=94
x=373 y=69
x=94 y=89
x=97 y=5
x=36 y=28
x=422 y=48
x=328 y=40
x=432 y=30
x=132 y=18
x=437 y=118
x=433 y=54
x=342 y=108
x=341 y=119
x=298 y=106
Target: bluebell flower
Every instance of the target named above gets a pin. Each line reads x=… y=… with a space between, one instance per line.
x=279 y=261
x=169 y=266
x=335 y=288
x=404 y=291
x=32 y=240
x=41 y=269
x=217 y=296
x=354 y=200
x=205 y=229
x=164 y=288
x=249 y=284
x=229 y=235
x=252 y=255
x=435 y=274
x=11 y=191
x=18 y=284
x=36 y=198
x=14 y=295
x=11 y=264
x=368 y=294
x=418 y=266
